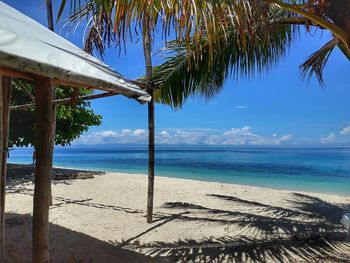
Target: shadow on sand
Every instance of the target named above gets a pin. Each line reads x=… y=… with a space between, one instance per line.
x=310 y=233
x=307 y=231
x=66 y=246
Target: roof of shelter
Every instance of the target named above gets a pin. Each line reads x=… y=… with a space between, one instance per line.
x=27 y=46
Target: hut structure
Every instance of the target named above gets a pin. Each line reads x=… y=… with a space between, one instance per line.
x=30 y=51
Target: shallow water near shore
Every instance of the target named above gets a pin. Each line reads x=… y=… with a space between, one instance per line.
x=313 y=170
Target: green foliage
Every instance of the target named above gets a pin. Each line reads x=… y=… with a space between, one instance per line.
x=71 y=121
x=206 y=31
x=316 y=63
x=110 y=21
x=187 y=72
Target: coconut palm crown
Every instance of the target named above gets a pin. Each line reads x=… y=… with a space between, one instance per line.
x=215 y=39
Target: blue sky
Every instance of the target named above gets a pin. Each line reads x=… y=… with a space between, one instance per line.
x=278 y=109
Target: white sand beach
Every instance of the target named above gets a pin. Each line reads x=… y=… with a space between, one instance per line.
x=103 y=220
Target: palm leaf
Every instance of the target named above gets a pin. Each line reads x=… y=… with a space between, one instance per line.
x=193 y=20
x=187 y=18
x=315 y=64
x=192 y=70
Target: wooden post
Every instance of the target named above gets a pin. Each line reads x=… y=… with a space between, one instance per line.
x=5 y=83
x=1 y=147
x=52 y=143
x=44 y=89
x=50 y=26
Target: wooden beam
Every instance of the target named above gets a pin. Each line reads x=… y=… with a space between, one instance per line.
x=24 y=88
x=22 y=75
x=15 y=74
x=66 y=100
x=44 y=152
x=28 y=76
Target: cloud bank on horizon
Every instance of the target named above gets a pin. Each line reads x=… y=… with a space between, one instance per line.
x=235 y=136
x=341 y=137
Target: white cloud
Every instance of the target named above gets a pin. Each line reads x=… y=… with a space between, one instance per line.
x=234 y=136
x=341 y=138
x=165 y=134
x=139 y=132
x=113 y=137
x=345 y=130
x=329 y=138
x=240 y=107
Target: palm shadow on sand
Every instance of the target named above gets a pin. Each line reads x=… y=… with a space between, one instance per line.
x=309 y=233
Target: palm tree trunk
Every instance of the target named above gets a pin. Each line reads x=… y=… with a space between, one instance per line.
x=44 y=123
x=339 y=12
x=147 y=50
x=50 y=26
x=5 y=121
x=49 y=15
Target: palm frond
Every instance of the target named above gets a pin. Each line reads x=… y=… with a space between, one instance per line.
x=191 y=70
x=189 y=20
x=314 y=65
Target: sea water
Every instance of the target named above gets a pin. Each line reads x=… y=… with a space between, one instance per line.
x=315 y=170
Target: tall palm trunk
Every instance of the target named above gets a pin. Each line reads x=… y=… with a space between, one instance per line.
x=147 y=50
x=339 y=12
x=50 y=26
x=49 y=14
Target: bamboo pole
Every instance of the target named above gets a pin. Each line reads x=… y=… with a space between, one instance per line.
x=44 y=89
x=6 y=99
x=147 y=50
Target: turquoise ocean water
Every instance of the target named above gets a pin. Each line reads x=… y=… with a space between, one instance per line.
x=316 y=170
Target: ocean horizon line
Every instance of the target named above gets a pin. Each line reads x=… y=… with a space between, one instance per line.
x=199 y=146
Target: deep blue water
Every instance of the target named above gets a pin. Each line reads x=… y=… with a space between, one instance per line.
x=317 y=170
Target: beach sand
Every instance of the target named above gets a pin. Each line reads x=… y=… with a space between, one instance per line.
x=103 y=220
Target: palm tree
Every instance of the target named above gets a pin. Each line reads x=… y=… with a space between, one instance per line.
x=194 y=21
x=213 y=39
x=207 y=81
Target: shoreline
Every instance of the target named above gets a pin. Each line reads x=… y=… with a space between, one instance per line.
x=106 y=172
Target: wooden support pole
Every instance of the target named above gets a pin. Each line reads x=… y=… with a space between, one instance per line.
x=5 y=112
x=53 y=137
x=44 y=89
x=1 y=147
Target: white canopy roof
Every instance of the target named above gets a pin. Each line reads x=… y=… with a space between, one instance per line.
x=27 y=46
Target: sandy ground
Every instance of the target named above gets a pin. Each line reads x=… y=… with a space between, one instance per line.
x=103 y=220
